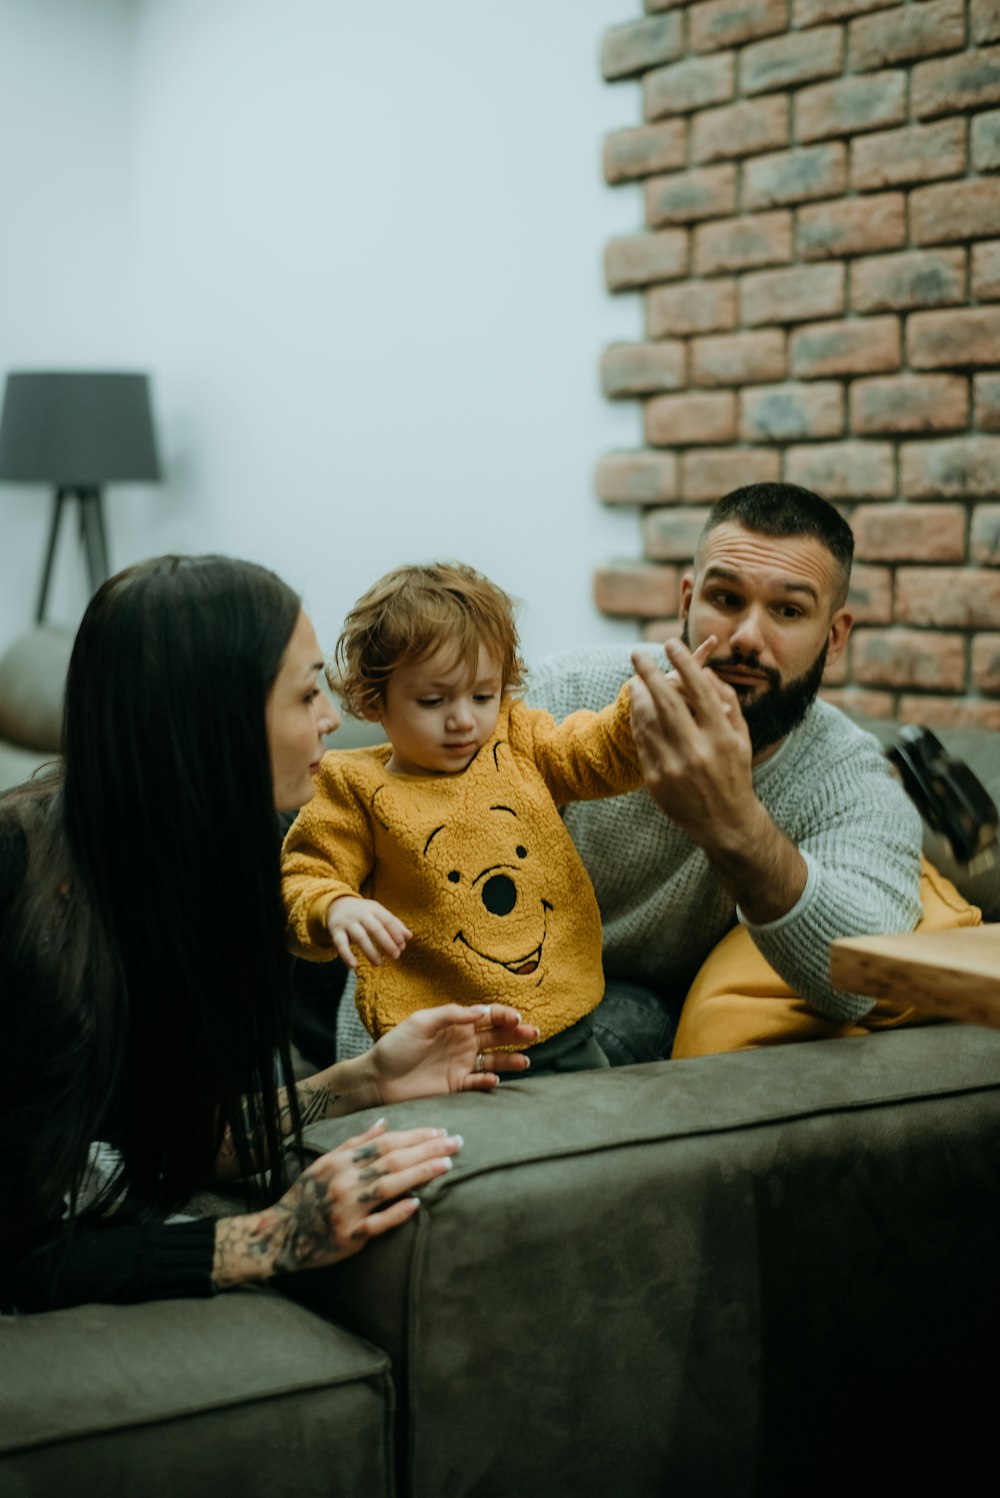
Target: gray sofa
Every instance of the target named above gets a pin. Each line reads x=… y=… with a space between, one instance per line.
x=765 y=1273
x=772 y=1273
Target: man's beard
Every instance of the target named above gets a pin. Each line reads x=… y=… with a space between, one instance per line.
x=776 y=709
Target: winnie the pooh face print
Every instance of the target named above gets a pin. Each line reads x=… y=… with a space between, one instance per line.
x=500 y=909
x=488 y=881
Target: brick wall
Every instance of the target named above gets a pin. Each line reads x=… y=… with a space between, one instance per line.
x=820 y=268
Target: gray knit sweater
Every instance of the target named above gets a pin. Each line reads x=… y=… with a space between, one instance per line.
x=827 y=787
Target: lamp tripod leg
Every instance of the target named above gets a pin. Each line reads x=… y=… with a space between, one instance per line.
x=50 y=551
x=95 y=537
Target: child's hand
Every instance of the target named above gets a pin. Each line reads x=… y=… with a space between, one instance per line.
x=367 y=925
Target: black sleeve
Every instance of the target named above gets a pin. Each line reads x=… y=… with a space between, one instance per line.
x=115 y=1265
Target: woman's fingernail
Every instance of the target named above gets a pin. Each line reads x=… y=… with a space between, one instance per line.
x=444 y=1163
x=379 y=1123
x=457 y=1141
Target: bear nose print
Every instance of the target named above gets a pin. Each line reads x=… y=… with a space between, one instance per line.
x=499 y=895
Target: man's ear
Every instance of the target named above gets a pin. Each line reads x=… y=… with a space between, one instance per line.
x=687 y=592
x=840 y=630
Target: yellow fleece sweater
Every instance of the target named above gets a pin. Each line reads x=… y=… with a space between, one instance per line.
x=478 y=865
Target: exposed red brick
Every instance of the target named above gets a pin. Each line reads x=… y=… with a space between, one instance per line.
x=850 y=105
x=688 y=196
x=637 y=478
x=789 y=413
x=795 y=176
x=651 y=148
x=986 y=663
x=909 y=533
x=851 y=226
x=954 y=210
x=910 y=403
x=917 y=153
x=866 y=345
x=687 y=420
x=858 y=703
x=813 y=12
x=961 y=597
x=958 y=468
x=869 y=597
x=949 y=712
x=692 y=84
x=984 y=21
x=740 y=243
x=638 y=589
x=796 y=295
x=986 y=141
x=986 y=402
x=741 y=129
x=707 y=476
x=637 y=45
x=727 y=23
x=844 y=470
x=908 y=658
x=738 y=358
x=916 y=278
x=942 y=340
x=658 y=631
x=671 y=535
x=637 y=259
x=642 y=368
x=922 y=30
x=986 y=271
x=694 y=307
x=984 y=537
x=797 y=57
x=949 y=84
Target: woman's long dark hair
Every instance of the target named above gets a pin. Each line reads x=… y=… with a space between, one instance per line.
x=162 y=839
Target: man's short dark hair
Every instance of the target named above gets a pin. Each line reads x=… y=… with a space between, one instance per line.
x=788 y=510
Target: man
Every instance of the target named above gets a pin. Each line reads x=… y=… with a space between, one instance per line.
x=763 y=805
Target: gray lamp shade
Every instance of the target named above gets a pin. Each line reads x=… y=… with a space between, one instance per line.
x=77 y=431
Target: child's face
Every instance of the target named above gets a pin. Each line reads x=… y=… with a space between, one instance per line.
x=435 y=717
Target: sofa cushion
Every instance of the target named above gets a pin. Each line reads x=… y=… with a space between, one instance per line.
x=978 y=748
x=247 y=1393
x=32 y=679
x=691 y=1277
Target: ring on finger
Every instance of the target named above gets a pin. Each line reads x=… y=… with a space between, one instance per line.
x=480 y=1061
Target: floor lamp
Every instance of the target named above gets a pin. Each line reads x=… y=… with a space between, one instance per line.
x=77 y=432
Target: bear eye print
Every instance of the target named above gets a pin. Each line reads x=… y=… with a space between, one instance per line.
x=454 y=876
x=521 y=852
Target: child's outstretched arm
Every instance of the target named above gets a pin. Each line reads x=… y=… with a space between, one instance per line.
x=367 y=925
x=589 y=754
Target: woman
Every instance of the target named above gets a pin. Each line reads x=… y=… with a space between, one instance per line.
x=143 y=977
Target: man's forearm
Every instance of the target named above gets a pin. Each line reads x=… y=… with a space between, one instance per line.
x=761 y=867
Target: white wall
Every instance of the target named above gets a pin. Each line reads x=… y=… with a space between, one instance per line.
x=65 y=111
x=364 y=256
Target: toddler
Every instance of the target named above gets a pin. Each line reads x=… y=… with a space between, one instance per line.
x=443 y=850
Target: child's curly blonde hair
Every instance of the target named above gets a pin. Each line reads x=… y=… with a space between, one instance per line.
x=409 y=614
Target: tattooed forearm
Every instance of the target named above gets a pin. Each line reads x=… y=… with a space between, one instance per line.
x=316 y=1102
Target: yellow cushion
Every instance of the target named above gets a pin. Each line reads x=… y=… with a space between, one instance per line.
x=738 y=1002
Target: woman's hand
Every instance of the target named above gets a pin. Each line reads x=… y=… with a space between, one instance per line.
x=451 y=1048
x=335 y=1206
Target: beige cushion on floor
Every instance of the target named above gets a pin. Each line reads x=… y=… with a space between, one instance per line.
x=32 y=681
